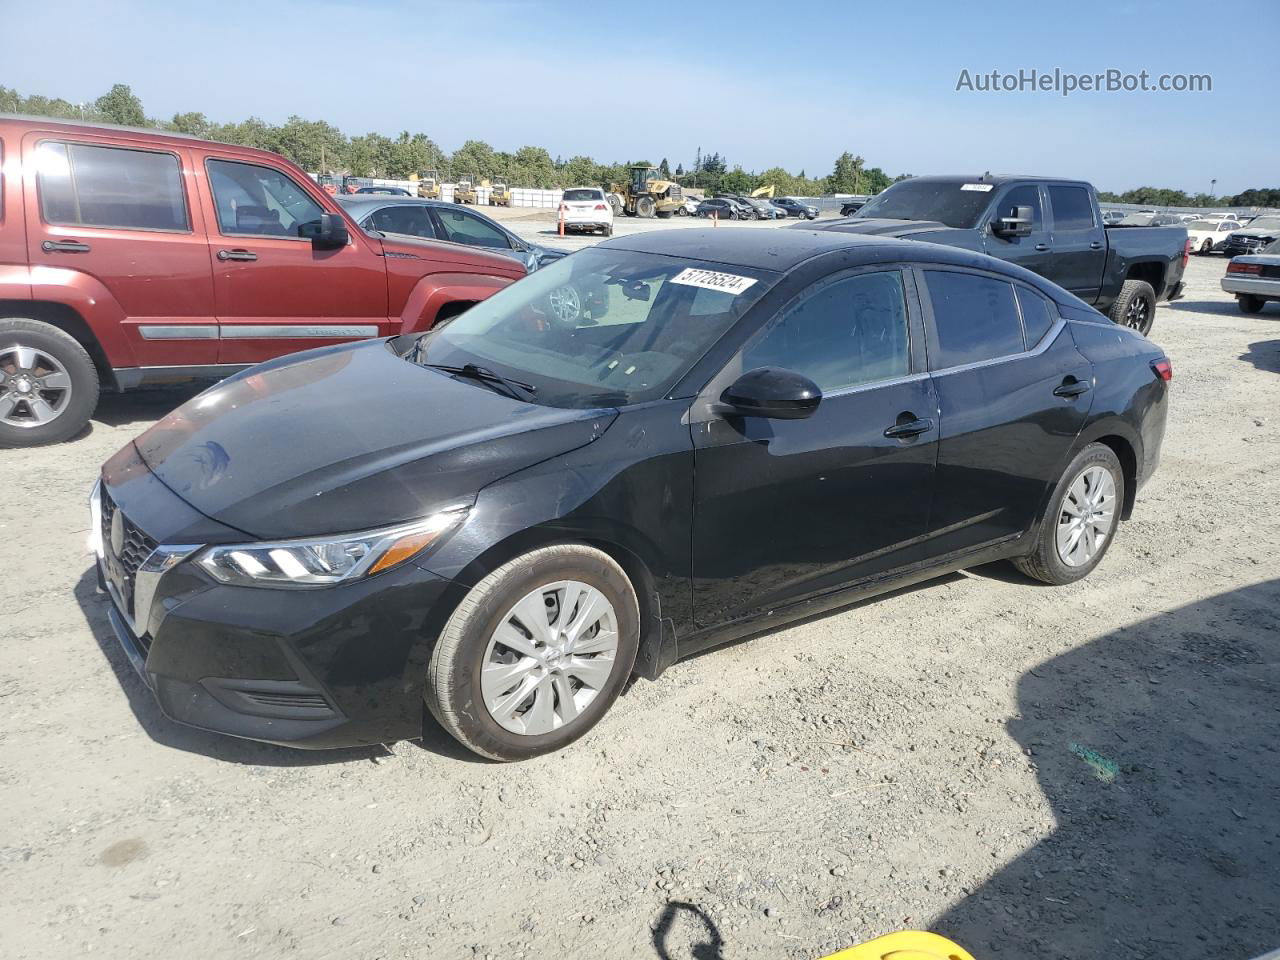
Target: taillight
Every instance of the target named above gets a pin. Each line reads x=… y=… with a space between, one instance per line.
x=1234 y=267
x=601 y=206
x=1186 y=253
x=1162 y=368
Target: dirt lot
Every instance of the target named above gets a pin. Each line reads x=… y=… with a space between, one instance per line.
x=1052 y=772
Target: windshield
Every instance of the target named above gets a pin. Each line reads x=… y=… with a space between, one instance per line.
x=603 y=327
x=1272 y=247
x=1203 y=225
x=951 y=203
x=583 y=195
x=1265 y=223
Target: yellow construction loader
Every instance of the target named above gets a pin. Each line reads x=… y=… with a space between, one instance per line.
x=465 y=191
x=646 y=195
x=500 y=195
x=428 y=184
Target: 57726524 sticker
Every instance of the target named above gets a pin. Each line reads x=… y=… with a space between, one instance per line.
x=713 y=280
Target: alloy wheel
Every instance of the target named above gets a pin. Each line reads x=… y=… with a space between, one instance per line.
x=1087 y=516
x=34 y=387
x=1136 y=314
x=549 y=658
x=565 y=304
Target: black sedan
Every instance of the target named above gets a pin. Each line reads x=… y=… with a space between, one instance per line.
x=437 y=220
x=724 y=208
x=795 y=208
x=659 y=444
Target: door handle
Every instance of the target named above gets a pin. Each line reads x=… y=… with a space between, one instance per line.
x=64 y=246
x=905 y=429
x=1042 y=246
x=1071 y=387
x=237 y=255
x=1096 y=245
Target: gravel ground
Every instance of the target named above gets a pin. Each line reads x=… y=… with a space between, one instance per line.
x=1070 y=772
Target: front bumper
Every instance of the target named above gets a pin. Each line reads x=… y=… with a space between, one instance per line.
x=316 y=668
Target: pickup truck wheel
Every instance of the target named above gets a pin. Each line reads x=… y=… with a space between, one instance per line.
x=1081 y=519
x=48 y=384
x=536 y=653
x=1135 y=307
x=1250 y=304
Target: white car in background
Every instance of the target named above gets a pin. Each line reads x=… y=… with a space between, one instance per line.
x=1207 y=234
x=587 y=208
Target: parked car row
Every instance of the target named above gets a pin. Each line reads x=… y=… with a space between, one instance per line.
x=1209 y=232
x=734 y=207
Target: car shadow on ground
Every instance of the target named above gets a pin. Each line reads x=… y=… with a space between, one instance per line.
x=1158 y=748
x=162 y=730
x=144 y=406
x=1226 y=308
x=1265 y=355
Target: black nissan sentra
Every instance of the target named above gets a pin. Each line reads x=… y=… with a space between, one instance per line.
x=658 y=444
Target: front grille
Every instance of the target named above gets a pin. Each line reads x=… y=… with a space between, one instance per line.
x=122 y=552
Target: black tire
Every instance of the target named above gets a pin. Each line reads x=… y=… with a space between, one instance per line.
x=1249 y=303
x=608 y=231
x=1206 y=248
x=645 y=207
x=1135 y=307
x=664 y=214
x=453 y=691
x=1044 y=563
x=682 y=212
x=50 y=344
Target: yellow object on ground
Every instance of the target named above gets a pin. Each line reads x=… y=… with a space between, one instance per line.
x=907 y=945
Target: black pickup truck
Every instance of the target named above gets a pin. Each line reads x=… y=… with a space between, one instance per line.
x=1053 y=227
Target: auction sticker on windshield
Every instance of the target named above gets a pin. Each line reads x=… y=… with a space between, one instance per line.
x=712 y=280
x=981 y=187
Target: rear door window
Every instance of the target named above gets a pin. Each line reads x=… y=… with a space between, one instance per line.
x=259 y=201
x=81 y=184
x=975 y=318
x=1072 y=209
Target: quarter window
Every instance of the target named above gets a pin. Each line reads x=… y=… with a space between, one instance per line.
x=462 y=227
x=1072 y=209
x=849 y=332
x=1036 y=318
x=86 y=185
x=259 y=201
x=976 y=318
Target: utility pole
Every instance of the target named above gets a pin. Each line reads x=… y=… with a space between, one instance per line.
x=1213 y=185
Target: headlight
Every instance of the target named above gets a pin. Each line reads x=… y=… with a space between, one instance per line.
x=326 y=560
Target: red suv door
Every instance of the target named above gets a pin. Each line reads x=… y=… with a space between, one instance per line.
x=110 y=219
x=274 y=293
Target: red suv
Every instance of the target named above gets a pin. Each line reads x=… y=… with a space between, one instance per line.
x=131 y=257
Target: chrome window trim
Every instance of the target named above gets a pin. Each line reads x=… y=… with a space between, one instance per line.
x=284 y=331
x=876 y=384
x=183 y=331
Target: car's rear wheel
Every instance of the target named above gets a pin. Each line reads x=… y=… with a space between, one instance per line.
x=1250 y=304
x=1206 y=248
x=48 y=384
x=1135 y=307
x=1081 y=520
x=536 y=653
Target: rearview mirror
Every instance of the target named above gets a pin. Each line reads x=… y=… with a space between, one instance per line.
x=331 y=233
x=772 y=392
x=1017 y=225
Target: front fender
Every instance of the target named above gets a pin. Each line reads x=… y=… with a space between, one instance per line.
x=433 y=292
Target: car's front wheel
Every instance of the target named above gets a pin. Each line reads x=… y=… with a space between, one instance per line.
x=1081 y=520
x=48 y=384
x=1206 y=248
x=536 y=653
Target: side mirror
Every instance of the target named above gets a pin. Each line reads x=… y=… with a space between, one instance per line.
x=1017 y=225
x=772 y=392
x=330 y=233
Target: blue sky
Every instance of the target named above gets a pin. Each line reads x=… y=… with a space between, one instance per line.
x=761 y=83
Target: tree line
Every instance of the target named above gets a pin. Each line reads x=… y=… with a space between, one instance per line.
x=320 y=147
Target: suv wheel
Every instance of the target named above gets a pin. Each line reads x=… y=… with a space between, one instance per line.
x=48 y=384
x=536 y=653
x=1081 y=520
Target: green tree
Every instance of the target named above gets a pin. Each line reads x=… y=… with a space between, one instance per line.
x=845 y=177
x=311 y=144
x=580 y=171
x=737 y=181
x=534 y=168
x=196 y=124
x=473 y=158
x=119 y=105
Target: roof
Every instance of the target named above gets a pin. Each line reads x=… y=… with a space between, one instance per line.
x=148 y=133
x=778 y=249
x=996 y=179
x=374 y=200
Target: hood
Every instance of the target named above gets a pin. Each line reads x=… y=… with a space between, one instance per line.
x=876 y=227
x=403 y=246
x=349 y=438
x=1261 y=234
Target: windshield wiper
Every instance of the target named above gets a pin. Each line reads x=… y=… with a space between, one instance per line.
x=485 y=375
